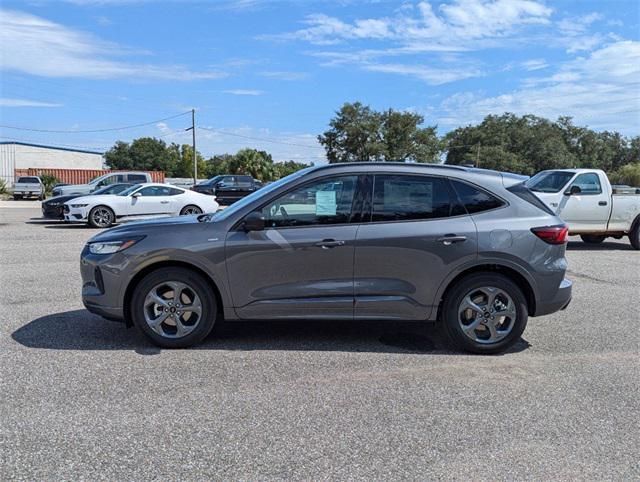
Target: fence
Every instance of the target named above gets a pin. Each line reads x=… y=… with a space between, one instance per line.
x=78 y=176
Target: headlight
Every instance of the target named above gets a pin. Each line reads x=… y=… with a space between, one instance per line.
x=110 y=247
x=78 y=205
x=54 y=204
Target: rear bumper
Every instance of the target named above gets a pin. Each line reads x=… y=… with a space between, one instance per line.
x=559 y=302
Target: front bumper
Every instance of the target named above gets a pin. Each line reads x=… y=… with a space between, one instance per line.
x=77 y=215
x=102 y=284
x=559 y=302
x=52 y=212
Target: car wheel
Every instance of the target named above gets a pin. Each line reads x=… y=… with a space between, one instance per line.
x=634 y=234
x=190 y=209
x=484 y=313
x=101 y=217
x=174 y=307
x=592 y=238
x=17 y=197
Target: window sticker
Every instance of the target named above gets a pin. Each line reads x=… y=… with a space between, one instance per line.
x=326 y=204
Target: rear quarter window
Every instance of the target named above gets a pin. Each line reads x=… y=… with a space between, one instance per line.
x=474 y=199
x=524 y=193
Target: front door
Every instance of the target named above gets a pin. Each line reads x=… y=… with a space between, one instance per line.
x=301 y=265
x=418 y=234
x=589 y=209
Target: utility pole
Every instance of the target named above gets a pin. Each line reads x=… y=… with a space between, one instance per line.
x=193 y=137
x=477 y=155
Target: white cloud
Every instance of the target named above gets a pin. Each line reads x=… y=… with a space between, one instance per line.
x=37 y=46
x=244 y=92
x=459 y=23
x=430 y=75
x=5 y=102
x=534 y=64
x=285 y=75
x=599 y=90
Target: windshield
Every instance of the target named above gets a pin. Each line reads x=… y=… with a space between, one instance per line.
x=237 y=206
x=208 y=182
x=96 y=180
x=111 y=189
x=549 y=181
x=25 y=180
x=126 y=192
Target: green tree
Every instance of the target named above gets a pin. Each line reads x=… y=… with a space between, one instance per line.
x=145 y=154
x=359 y=133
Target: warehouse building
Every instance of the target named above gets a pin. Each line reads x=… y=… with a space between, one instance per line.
x=17 y=158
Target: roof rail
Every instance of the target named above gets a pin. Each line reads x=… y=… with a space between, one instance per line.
x=384 y=163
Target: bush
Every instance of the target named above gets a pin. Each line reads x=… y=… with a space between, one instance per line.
x=628 y=174
x=3 y=187
x=49 y=180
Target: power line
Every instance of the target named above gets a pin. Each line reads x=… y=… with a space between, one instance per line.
x=111 y=129
x=264 y=139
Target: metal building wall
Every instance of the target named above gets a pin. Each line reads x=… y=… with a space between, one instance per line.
x=7 y=162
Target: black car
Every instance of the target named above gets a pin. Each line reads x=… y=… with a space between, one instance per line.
x=53 y=208
x=228 y=188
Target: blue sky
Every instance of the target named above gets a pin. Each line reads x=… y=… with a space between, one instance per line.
x=270 y=74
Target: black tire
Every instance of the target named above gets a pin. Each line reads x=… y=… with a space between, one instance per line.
x=192 y=208
x=634 y=234
x=592 y=238
x=96 y=221
x=196 y=283
x=17 y=197
x=454 y=298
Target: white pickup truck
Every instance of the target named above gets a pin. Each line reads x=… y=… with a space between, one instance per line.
x=28 y=186
x=585 y=200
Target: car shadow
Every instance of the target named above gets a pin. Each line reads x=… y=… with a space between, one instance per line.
x=81 y=330
x=604 y=246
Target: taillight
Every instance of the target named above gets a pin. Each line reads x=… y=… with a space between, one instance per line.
x=552 y=234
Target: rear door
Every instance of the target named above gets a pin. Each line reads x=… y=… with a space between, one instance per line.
x=301 y=265
x=416 y=235
x=589 y=209
x=244 y=187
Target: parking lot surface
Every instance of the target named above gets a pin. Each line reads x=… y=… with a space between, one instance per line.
x=85 y=398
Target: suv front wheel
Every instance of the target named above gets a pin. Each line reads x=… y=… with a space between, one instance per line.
x=484 y=313
x=174 y=307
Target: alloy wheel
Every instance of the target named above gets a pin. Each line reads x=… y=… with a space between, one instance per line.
x=172 y=309
x=487 y=314
x=102 y=217
x=191 y=210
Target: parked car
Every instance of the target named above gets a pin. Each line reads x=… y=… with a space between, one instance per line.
x=28 y=186
x=472 y=249
x=227 y=188
x=53 y=208
x=101 y=181
x=140 y=201
x=585 y=200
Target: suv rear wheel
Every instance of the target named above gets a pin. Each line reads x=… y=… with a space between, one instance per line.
x=174 y=307
x=484 y=313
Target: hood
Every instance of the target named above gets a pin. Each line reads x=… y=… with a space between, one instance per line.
x=60 y=199
x=145 y=227
x=83 y=198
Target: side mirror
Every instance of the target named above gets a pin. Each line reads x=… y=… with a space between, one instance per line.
x=254 y=222
x=136 y=194
x=573 y=190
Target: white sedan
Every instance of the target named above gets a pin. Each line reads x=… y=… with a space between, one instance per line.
x=141 y=201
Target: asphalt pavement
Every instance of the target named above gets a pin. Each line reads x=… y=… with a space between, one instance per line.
x=82 y=398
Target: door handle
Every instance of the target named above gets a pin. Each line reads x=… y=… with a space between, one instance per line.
x=329 y=243
x=449 y=239
x=164 y=202
x=602 y=203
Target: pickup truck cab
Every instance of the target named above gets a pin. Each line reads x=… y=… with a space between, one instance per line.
x=28 y=186
x=586 y=201
x=102 y=181
x=228 y=188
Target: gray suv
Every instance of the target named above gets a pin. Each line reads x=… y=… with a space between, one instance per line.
x=472 y=249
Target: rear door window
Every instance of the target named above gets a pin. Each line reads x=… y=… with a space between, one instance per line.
x=137 y=178
x=406 y=198
x=474 y=199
